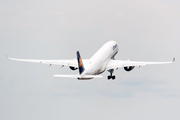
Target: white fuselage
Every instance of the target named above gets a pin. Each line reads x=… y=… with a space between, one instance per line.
x=97 y=63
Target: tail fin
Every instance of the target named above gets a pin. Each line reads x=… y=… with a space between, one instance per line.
x=80 y=63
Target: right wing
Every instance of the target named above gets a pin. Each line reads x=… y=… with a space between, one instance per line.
x=113 y=64
x=72 y=63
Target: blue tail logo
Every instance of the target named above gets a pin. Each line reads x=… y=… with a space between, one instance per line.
x=80 y=63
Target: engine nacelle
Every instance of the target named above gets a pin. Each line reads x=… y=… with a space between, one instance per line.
x=129 y=68
x=73 y=68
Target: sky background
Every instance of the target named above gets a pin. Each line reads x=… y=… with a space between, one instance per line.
x=55 y=29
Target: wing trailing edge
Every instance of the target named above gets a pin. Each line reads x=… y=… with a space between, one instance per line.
x=113 y=64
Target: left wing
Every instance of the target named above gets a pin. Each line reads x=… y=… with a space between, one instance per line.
x=113 y=64
x=72 y=63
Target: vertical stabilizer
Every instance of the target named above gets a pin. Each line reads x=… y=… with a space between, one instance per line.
x=80 y=63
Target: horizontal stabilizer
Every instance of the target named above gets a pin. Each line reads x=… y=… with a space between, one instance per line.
x=66 y=76
x=79 y=77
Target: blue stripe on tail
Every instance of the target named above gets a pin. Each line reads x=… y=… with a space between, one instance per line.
x=80 y=63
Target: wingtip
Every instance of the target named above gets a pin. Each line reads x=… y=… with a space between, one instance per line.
x=54 y=76
x=173 y=59
x=7 y=56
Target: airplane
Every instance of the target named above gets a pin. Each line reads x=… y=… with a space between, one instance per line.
x=102 y=60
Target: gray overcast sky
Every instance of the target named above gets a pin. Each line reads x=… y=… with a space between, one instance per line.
x=55 y=29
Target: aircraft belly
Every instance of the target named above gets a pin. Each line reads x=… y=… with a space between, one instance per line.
x=99 y=71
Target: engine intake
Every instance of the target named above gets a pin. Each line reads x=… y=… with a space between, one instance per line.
x=73 y=68
x=129 y=68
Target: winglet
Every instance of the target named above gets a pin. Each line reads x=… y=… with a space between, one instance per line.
x=80 y=63
x=7 y=56
x=173 y=59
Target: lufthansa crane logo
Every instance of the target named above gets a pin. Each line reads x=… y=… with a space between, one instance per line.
x=80 y=62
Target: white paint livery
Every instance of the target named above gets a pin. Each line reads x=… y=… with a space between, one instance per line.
x=101 y=61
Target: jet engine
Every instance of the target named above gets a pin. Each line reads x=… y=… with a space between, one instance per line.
x=73 y=68
x=129 y=68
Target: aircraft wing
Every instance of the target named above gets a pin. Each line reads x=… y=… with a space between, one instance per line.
x=72 y=62
x=113 y=64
